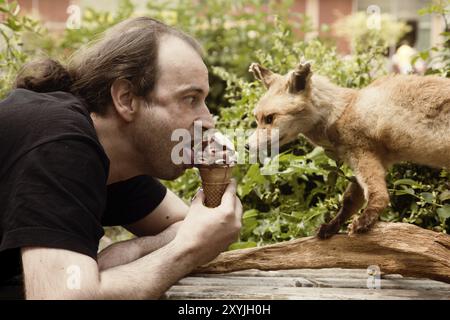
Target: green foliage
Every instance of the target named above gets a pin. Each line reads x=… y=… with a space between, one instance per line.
x=13 y=29
x=370 y=45
x=95 y=22
x=420 y=195
x=438 y=57
x=230 y=32
x=356 y=29
x=308 y=189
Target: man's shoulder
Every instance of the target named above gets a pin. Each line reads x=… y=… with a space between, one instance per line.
x=49 y=116
x=51 y=104
x=29 y=120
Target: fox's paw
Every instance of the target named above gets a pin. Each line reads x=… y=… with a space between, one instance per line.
x=359 y=225
x=326 y=231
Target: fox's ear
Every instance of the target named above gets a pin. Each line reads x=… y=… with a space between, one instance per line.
x=262 y=74
x=300 y=77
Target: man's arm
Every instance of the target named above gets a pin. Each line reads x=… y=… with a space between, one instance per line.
x=124 y=252
x=171 y=210
x=61 y=274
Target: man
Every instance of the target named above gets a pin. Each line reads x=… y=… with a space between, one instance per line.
x=78 y=150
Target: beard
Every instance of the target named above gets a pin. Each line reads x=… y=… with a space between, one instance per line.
x=152 y=140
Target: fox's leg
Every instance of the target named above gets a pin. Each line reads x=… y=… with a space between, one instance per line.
x=371 y=175
x=353 y=201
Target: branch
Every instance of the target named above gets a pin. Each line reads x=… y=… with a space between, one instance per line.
x=394 y=247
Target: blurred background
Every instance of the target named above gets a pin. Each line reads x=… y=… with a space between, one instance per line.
x=425 y=29
x=352 y=42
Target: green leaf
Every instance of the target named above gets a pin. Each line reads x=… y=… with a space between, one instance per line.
x=424 y=55
x=444 y=196
x=406 y=191
x=252 y=213
x=290 y=218
x=317 y=152
x=242 y=245
x=428 y=197
x=408 y=182
x=444 y=212
x=13 y=24
x=252 y=178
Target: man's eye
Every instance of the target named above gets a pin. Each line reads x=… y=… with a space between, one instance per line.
x=190 y=99
x=268 y=119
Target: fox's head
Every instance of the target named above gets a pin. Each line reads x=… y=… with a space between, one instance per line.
x=285 y=106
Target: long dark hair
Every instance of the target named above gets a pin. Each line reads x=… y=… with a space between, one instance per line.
x=129 y=50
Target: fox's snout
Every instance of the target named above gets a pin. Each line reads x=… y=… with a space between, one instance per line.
x=263 y=139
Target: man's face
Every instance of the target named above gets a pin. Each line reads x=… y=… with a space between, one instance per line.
x=177 y=100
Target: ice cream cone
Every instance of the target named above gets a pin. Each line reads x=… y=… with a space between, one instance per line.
x=215 y=179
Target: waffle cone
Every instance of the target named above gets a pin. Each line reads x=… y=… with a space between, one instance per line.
x=215 y=180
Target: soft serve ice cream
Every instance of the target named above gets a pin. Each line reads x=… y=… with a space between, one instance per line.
x=217 y=150
x=215 y=157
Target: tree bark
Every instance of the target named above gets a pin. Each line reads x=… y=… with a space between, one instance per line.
x=398 y=248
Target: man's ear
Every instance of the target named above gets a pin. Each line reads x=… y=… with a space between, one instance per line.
x=262 y=74
x=122 y=97
x=300 y=78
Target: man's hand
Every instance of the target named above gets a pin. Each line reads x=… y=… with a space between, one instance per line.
x=207 y=232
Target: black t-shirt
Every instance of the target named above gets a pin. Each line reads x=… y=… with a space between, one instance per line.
x=53 y=179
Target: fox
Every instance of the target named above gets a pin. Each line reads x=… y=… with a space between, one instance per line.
x=394 y=119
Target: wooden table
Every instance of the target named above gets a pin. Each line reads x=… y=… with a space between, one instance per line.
x=306 y=284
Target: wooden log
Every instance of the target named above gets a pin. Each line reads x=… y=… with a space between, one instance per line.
x=394 y=247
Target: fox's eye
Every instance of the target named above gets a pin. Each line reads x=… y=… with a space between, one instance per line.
x=268 y=119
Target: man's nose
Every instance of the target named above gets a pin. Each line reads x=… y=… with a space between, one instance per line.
x=207 y=120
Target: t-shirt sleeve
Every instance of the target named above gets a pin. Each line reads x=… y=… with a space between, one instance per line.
x=57 y=198
x=131 y=200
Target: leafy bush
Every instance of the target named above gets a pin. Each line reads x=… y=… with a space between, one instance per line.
x=359 y=31
x=230 y=32
x=308 y=190
x=438 y=57
x=13 y=29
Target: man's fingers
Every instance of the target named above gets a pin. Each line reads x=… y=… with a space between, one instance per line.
x=229 y=196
